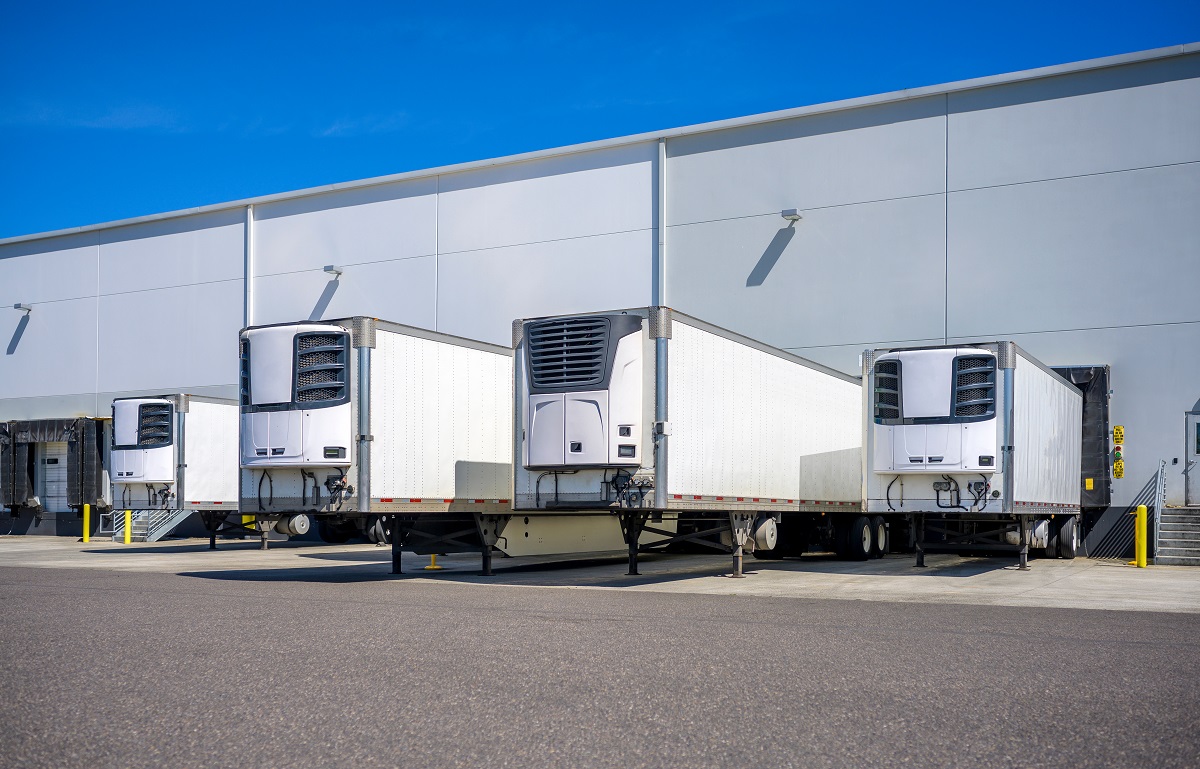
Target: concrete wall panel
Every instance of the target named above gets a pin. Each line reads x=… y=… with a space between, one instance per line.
x=52 y=351
x=480 y=293
x=847 y=357
x=352 y=227
x=1087 y=123
x=401 y=291
x=1108 y=250
x=170 y=339
x=841 y=276
x=874 y=153
x=51 y=407
x=592 y=193
x=48 y=270
x=175 y=252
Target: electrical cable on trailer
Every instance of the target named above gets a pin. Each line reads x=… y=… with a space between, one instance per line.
x=271 y=486
x=888 y=494
x=954 y=490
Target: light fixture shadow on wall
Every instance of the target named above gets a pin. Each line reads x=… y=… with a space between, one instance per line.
x=774 y=249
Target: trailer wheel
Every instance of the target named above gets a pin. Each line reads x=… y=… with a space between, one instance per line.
x=1068 y=537
x=879 y=540
x=859 y=540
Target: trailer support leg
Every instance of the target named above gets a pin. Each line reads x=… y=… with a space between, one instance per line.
x=262 y=534
x=740 y=525
x=920 y=564
x=632 y=523
x=397 y=544
x=211 y=522
x=1023 y=560
x=485 y=554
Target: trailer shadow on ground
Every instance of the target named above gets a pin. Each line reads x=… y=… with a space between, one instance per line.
x=173 y=548
x=374 y=564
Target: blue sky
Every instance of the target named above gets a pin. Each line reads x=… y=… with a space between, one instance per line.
x=113 y=110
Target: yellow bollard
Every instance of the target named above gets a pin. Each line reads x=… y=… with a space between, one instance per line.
x=87 y=523
x=128 y=526
x=1139 y=538
x=433 y=563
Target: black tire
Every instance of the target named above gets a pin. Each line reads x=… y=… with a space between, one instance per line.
x=859 y=540
x=333 y=533
x=879 y=537
x=1068 y=538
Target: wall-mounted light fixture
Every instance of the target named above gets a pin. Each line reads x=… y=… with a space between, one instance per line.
x=25 y=308
x=333 y=270
x=791 y=214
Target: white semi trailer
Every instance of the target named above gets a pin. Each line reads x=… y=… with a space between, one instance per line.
x=971 y=447
x=173 y=456
x=398 y=433
x=687 y=432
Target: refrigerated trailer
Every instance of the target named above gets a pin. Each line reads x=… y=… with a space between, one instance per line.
x=684 y=431
x=971 y=447
x=396 y=433
x=173 y=457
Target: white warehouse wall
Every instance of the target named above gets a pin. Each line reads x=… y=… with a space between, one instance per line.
x=123 y=311
x=1062 y=213
x=1059 y=211
x=465 y=253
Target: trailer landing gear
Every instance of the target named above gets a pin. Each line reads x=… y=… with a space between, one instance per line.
x=741 y=529
x=632 y=523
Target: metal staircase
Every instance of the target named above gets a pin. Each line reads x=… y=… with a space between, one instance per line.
x=144 y=525
x=1178 y=537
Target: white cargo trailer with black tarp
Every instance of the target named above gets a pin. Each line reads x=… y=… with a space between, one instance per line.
x=977 y=446
x=50 y=469
x=687 y=433
x=173 y=457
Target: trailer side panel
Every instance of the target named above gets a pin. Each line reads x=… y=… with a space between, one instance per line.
x=441 y=415
x=1048 y=423
x=751 y=424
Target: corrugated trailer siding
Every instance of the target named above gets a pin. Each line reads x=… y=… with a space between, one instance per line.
x=1047 y=424
x=751 y=424
x=211 y=452
x=441 y=415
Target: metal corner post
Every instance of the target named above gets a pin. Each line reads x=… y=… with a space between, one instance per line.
x=660 y=327
x=1007 y=360
x=363 y=334
x=660 y=330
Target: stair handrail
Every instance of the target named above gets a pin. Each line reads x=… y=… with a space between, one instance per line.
x=1160 y=501
x=160 y=519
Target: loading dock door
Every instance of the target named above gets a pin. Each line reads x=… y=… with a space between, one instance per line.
x=1191 y=470
x=52 y=476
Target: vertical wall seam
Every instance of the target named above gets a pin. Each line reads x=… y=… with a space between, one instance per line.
x=946 y=225
x=96 y=331
x=437 y=245
x=248 y=269
x=659 y=278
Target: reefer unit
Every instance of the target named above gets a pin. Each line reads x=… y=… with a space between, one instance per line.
x=972 y=431
x=355 y=419
x=650 y=409
x=172 y=455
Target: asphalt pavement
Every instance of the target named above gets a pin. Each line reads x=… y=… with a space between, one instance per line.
x=140 y=668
